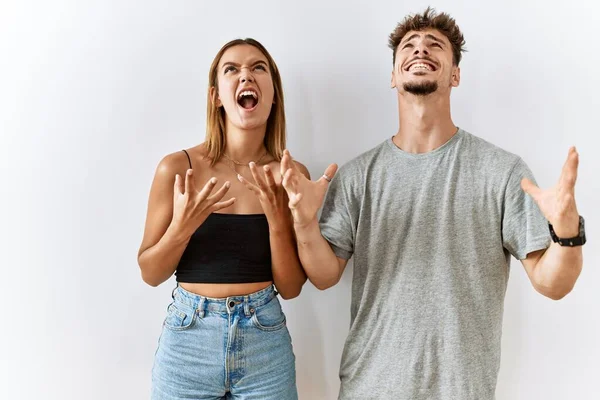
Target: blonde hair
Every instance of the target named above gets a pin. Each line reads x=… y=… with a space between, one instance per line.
x=215 y=116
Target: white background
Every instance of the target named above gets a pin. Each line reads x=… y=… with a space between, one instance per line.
x=94 y=93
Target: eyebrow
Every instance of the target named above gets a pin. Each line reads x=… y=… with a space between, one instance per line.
x=427 y=36
x=255 y=63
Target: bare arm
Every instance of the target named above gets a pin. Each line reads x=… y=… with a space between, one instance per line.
x=175 y=210
x=323 y=268
x=288 y=275
x=319 y=261
x=553 y=272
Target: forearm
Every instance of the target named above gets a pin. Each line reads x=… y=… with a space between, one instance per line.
x=288 y=275
x=557 y=270
x=159 y=262
x=318 y=259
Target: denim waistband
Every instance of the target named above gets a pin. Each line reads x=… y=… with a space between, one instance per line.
x=226 y=304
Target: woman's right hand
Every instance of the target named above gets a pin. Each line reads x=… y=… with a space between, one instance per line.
x=191 y=207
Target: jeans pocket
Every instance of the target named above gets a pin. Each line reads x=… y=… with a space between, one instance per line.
x=269 y=317
x=179 y=318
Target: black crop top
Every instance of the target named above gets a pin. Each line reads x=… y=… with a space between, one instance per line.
x=227 y=248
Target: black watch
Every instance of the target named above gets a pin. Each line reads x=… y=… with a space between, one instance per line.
x=570 y=242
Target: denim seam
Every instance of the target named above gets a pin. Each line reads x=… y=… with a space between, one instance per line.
x=268 y=328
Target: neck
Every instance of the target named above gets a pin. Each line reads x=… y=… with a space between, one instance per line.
x=244 y=145
x=425 y=122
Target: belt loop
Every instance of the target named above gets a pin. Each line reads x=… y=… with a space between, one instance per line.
x=246 y=306
x=201 y=307
x=275 y=290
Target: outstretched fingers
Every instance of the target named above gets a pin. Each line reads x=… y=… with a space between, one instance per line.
x=328 y=174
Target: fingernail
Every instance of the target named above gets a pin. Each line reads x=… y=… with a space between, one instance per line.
x=189 y=171
x=251 y=164
x=266 y=167
x=239 y=177
x=227 y=184
x=213 y=180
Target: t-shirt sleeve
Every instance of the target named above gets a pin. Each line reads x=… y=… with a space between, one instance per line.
x=339 y=216
x=524 y=227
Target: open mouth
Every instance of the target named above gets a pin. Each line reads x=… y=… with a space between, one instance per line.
x=247 y=99
x=421 y=66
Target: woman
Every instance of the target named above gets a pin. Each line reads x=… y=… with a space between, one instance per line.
x=225 y=334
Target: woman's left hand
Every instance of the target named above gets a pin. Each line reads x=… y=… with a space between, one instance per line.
x=271 y=194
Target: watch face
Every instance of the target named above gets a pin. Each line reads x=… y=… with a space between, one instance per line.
x=581 y=226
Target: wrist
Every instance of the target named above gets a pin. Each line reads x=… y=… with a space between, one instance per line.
x=307 y=230
x=176 y=234
x=567 y=234
x=279 y=222
x=280 y=227
x=566 y=231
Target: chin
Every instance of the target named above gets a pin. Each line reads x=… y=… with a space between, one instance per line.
x=250 y=124
x=421 y=87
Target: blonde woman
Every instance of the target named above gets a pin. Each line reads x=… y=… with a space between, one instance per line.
x=218 y=219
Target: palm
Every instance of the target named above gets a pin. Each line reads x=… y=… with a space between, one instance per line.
x=306 y=199
x=191 y=207
x=558 y=203
x=270 y=193
x=305 y=196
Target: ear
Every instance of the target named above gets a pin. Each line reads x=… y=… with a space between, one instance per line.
x=214 y=96
x=455 y=81
x=393 y=81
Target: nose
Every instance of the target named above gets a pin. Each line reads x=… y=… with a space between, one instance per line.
x=421 y=49
x=246 y=76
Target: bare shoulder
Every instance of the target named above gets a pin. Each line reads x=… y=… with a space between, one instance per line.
x=302 y=168
x=172 y=164
x=178 y=162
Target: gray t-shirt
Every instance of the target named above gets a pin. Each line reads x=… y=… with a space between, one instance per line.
x=431 y=235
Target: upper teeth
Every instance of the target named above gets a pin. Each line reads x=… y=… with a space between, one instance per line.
x=420 y=66
x=247 y=93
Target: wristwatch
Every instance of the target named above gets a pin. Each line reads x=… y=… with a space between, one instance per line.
x=570 y=242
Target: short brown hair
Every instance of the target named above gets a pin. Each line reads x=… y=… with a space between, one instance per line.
x=430 y=20
x=215 y=116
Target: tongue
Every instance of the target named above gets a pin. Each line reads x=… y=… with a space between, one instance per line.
x=247 y=102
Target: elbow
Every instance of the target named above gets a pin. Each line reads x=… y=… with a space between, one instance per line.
x=290 y=288
x=290 y=292
x=323 y=284
x=150 y=280
x=558 y=287
x=555 y=293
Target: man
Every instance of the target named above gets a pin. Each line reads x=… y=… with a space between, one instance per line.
x=432 y=216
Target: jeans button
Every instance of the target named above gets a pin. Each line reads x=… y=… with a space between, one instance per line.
x=231 y=304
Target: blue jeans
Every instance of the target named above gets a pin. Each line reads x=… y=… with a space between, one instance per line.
x=232 y=348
